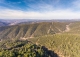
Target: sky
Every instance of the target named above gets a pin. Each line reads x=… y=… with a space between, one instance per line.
x=39 y=9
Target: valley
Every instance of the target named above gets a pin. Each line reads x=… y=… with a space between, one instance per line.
x=39 y=28
x=47 y=39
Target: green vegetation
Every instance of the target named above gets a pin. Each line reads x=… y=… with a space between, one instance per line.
x=67 y=45
x=46 y=38
x=75 y=28
x=32 y=30
x=24 y=49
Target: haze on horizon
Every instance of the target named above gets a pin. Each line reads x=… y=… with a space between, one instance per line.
x=39 y=9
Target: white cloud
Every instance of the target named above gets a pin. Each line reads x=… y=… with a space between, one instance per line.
x=76 y=3
x=43 y=5
x=56 y=14
x=44 y=11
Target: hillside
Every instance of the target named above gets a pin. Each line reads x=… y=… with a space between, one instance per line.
x=65 y=45
x=32 y=30
x=75 y=28
x=19 y=48
x=61 y=37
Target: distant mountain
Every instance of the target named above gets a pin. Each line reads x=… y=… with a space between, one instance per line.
x=3 y=24
x=22 y=21
x=15 y=21
x=10 y=22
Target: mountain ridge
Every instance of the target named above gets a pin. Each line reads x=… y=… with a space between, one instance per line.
x=32 y=30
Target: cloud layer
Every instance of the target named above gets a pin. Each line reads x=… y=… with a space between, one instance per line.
x=42 y=9
x=57 y=14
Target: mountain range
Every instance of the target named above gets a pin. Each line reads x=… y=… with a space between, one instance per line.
x=32 y=30
x=40 y=37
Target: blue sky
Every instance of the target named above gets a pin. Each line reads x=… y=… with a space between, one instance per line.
x=39 y=9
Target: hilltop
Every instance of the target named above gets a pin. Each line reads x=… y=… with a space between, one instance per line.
x=57 y=39
x=32 y=30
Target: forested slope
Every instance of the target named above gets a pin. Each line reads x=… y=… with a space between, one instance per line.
x=24 y=49
x=32 y=30
x=62 y=38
